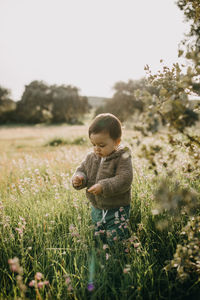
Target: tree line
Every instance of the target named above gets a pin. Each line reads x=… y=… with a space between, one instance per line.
x=43 y=103
x=157 y=99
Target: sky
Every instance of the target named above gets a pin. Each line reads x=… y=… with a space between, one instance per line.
x=90 y=44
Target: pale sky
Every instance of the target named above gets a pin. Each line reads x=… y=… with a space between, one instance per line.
x=90 y=44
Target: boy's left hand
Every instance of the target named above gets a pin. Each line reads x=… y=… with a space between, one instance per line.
x=96 y=189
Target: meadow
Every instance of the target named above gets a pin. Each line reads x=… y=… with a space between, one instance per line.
x=46 y=241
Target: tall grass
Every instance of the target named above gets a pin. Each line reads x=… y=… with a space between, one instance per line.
x=46 y=224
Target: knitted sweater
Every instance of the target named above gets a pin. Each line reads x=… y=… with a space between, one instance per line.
x=115 y=175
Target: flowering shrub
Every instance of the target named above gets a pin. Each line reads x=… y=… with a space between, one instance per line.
x=186 y=259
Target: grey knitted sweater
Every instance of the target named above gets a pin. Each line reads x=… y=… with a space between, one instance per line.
x=115 y=174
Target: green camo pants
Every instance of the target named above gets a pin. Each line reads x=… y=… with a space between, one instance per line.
x=111 y=225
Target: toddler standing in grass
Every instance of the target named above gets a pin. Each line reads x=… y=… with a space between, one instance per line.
x=107 y=175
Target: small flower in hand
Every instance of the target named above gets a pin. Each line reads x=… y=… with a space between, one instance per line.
x=77 y=180
x=96 y=189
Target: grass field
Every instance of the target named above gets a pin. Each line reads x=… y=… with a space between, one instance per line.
x=46 y=243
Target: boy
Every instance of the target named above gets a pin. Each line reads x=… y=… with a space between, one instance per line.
x=107 y=174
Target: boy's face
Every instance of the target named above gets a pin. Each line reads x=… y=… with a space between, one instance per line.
x=103 y=144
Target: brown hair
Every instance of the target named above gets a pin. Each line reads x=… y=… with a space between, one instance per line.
x=106 y=123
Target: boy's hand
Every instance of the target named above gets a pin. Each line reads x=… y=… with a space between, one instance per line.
x=96 y=189
x=77 y=180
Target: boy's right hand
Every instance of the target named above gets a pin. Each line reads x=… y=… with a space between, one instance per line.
x=77 y=180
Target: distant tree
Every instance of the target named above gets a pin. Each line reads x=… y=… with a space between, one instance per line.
x=35 y=105
x=129 y=97
x=68 y=105
x=4 y=93
x=7 y=106
x=43 y=103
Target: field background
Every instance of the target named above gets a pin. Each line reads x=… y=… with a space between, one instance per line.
x=45 y=223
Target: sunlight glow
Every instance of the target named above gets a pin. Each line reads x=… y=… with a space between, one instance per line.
x=90 y=44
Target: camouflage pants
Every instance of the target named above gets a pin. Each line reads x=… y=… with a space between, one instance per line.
x=111 y=225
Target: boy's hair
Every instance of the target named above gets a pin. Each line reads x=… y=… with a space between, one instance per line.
x=106 y=123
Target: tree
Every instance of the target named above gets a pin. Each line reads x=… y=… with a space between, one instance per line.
x=190 y=46
x=4 y=93
x=7 y=106
x=68 y=105
x=129 y=97
x=43 y=103
x=191 y=10
x=171 y=107
x=35 y=105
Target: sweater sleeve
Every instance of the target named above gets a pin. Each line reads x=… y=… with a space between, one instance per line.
x=81 y=171
x=122 y=180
